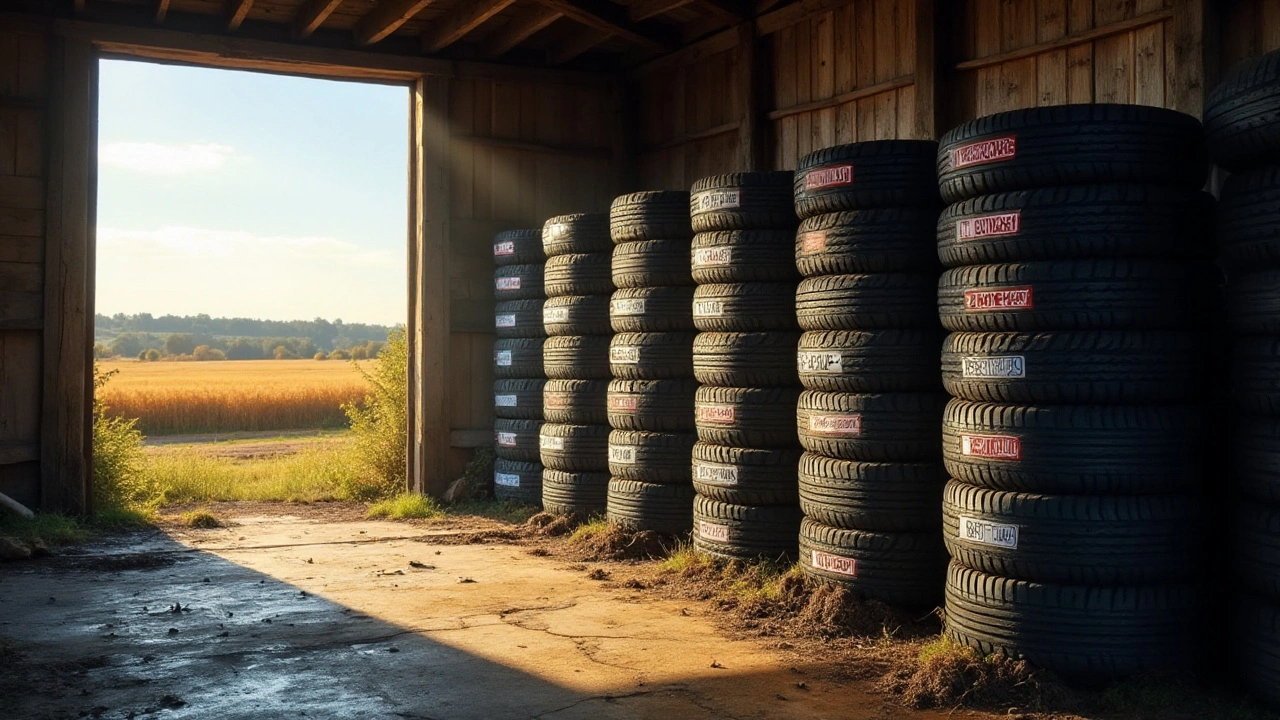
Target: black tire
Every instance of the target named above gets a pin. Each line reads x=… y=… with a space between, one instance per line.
x=518 y=358
x=882 y=427
x=576 y=357
x=651 y=457
x=1257 y=548
x=1083 y=633
x=652 y=215
x=518 y=319
x=517 y=440
x=1071 y=145
x=1075 y=368
x=761 y=359
x=746 y=417
x=575 y=448
x=745 y=476
x=1256 y=374
x=1253 y=303
x=1068 y=295
x=518 y=247
x=1242 y=115
x=652 y=355
x=517 y=282
x=870 y=361
x=1248 y=226
x=518 y=482
x=576 y=315
x=873 y=301
x=733 y=256
x=1257 y=636
x=653 y=405
x=519 y=398
x=1073 y=449
x=879 y=497
x=652 y=309
x=744 y=307
x=575 y=402
x=874 y=174
x=745 y=532
x=580 y=495
x=1073 y=539
x=889 y=239
x=1085 y=221
x=651 y=263
x=578 y=274
x=664 y=509
x=899 y=568
x=743 y=201
x=1257 y=455
x=579 y=233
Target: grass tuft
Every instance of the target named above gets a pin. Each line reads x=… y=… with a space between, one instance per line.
x=202 y=519
x=685 y=560
x=406 y=506
x=590 y=529
x=51 y=528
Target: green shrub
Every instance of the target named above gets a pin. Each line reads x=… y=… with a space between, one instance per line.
x=118 y=480
x=380 y=421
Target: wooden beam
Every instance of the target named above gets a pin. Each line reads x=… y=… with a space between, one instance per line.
x=718 y=130
x=540 y=148
x=311 y=15
x=785 y=17
x=691 y=53
x=1067 y=41
x=747 y=88
x=842 y=98
x=462 y=20
x=519 y=28
x=237 y=11
x=612 y=19
x=1196 y=54
x=728 y=11
x=575 y=44
x=646 y=9
x=926 y=75
x=386 y=18
x=162 y=10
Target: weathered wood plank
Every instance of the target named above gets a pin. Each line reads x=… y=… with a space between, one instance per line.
x=1075 y=38
x=16 y=249
x=20 y=361
x=22 y=192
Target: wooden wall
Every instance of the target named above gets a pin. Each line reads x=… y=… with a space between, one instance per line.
x=1249 y=28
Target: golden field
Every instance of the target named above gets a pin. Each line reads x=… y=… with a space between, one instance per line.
x=177 y=398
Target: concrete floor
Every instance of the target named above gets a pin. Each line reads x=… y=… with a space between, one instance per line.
x=291 y=617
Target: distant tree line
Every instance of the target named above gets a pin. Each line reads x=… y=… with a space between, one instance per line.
x=146 y=338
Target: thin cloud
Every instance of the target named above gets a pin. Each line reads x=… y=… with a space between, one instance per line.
x=159 y=159
x=241 y=246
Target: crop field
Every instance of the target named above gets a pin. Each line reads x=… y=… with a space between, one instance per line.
x=179 y=398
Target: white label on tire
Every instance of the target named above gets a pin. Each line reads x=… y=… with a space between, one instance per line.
x=627 y=306
x=555 y=399
x=502 y=358
x=994 y=366
x=819 y=362
x=547 y=442
x=719 y=414
x=988 y=533
x=1014 y=298
x=835 y=176
x=834 y=563
x=504 y=321
x=554 y=230
x=506 y=283
x=712 y=531
x=711 y=200
x=625 y=403
x=995 y=447
x=714 y=473
x=504 y=248
x=988 y=226
x=708 y=308
x=506 y=479
x=813 y=242
x=507 y=439
x=717 y=256
x=842 y=425
x=504 y=400
x=555 y=315
x=984 y=151
x=624 y=355
x=622 y=454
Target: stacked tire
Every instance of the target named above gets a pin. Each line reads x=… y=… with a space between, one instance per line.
x=517 y=365
x=650 y=400
x=1241 y=117
x=869 y=418
x=1072 y=437
x=744 y=463
x=575 y=358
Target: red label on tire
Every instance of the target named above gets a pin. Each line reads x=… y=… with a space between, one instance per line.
x=713 y=531
x=835 y=176
x=834 y=563
x=988 y=226
x=813 y=242
x=984 y=151
x=841 y=425
x=623 y=402
x=504 y=248
x=720 y=414
x=506 y=283
x=1015 y=298
x=995 y=447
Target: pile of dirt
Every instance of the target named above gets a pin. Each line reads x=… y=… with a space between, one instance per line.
x=947 y=675
x=548 y=524
x=615 y=543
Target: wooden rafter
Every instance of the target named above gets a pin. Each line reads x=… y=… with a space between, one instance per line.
x=386 y=18
x=162 y=9
x=730 y=11
x=518 y=29
x=462 y=20
x=646 y=9
x=612 y=19
x=311 y=15
x=237 y=10
x=575 y=44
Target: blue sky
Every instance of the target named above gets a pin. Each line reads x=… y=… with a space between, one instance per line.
x=250 y=195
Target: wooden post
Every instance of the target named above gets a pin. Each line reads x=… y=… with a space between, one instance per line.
x=1195 y=54
x=428 y=328
x=926 y=73
x=749 y=77
x=66 y=420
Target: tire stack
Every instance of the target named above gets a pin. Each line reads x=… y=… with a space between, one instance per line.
x=517 y=365
x=575 y=357
x=870 y=416
x=650 y=400
x=1072 y=439
x=1242 y=122
x=744 y=464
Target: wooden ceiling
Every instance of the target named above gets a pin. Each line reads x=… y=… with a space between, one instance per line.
x=575 y=33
